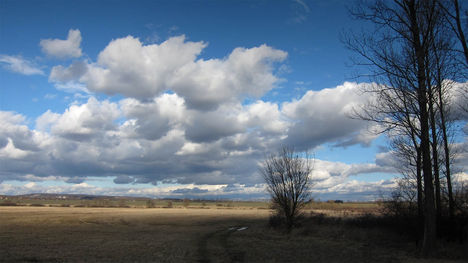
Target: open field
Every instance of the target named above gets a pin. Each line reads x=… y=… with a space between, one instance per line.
x=329 y=208
x=73 y=234
x=99 y=201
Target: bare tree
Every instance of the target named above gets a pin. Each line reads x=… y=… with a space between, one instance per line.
x=408 y=154
x=452 y=14
x=413 y=56
x=398 y=51
x=288 y=179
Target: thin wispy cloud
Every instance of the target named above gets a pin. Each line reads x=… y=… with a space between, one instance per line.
x=304 y=5
x=20 y=65
x=301 y=11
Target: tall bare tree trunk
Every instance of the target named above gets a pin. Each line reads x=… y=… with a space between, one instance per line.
x=443 y=127
x=447 y=168
x=430 y=231
x=435 y=158
x=420 y=192
x=419 y=185
x=458 y=30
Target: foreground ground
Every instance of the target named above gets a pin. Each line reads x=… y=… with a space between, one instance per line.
x=73 y=234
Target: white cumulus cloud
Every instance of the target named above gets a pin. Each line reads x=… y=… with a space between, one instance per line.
x=82 y=122
x=128 y=67
x=244 y=73
x=68 y=48
x=132 y=69
x=324 y=116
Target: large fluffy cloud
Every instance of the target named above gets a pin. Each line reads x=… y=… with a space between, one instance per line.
x=82 y=122
x=245 y=72
x=152 y=120
x=68 y=48
x=183 y=119
x=132 y=69
x=128 y=67
x=154 y=141
x=325 y=117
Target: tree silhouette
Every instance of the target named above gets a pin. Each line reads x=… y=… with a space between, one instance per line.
x=287 y=176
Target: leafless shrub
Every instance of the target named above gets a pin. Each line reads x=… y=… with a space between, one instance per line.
x=287 y=176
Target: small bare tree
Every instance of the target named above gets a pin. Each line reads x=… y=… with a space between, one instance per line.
x=287 y=176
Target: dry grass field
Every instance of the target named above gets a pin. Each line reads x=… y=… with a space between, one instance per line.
x=216 y=234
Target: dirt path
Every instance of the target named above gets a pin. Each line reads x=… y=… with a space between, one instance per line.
x=214 y=246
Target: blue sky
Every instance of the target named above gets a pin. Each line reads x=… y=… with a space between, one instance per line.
x=180 y=98
x=316 y=58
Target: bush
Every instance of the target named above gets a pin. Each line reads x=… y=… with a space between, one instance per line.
x=276 y=221
x=36 y=204
x=399 y=208
x=317 y=218
x=8 y=203
x=322 y=219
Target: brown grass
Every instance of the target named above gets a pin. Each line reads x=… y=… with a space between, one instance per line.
x=132 y=203
x=71 y=234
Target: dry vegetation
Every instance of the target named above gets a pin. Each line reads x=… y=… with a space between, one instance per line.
x=195 y=234
x=129 y=203
x=53 y=234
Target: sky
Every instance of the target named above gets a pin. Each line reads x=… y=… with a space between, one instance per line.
x=183 y=99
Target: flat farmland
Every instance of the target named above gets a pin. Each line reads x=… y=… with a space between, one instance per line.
x=76 y=234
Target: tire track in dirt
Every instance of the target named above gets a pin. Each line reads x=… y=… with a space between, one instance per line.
x=214 y=247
